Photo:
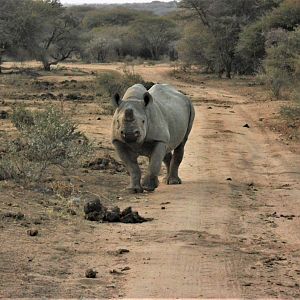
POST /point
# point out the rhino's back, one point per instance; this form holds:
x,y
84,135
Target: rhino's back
x,y
174,112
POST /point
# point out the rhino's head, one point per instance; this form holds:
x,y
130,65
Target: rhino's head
x,y
130,119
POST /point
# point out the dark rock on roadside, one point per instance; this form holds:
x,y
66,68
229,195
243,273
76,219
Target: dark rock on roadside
x,y
3,114
32,232
90,273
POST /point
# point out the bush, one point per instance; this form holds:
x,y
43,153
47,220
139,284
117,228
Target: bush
x,y
282,63
50,138
276,80
111,83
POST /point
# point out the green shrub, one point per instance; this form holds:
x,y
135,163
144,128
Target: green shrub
x,y
50,138
111,83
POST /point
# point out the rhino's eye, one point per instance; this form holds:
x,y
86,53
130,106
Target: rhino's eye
x,y
143,121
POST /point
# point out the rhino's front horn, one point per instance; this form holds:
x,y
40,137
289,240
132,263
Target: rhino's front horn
x,y
129,114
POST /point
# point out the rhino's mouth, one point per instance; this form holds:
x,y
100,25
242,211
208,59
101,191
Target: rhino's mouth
x,y
130,137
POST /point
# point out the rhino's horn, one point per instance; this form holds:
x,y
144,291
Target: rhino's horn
x,y
129,114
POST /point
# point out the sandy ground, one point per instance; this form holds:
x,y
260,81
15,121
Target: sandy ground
x,y
231,230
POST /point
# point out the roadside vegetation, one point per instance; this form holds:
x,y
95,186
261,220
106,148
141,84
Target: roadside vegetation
x,y
45,139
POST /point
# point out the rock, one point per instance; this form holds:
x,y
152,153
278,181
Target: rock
x,y
3,114
32,232
122,251
246,125
115,272
229,179
71,211
90,273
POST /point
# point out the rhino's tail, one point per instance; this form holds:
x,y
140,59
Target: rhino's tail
x,y
191,120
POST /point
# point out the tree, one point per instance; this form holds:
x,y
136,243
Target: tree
x,y
223,21
100,48
111,17
196,47
56,33
14,26
252,41
282,62
155,34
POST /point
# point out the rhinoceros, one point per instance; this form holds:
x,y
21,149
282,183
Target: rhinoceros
x,y
156,124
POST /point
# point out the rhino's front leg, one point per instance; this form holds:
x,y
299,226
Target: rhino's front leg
x,y
150,181
130,160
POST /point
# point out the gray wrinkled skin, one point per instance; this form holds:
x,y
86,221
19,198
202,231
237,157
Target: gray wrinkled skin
x,y
155,124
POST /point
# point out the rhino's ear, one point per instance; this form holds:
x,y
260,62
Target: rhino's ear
x,y
147,98
116,100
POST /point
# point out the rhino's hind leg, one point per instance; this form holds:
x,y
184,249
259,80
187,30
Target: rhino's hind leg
x,y
176,160
167,162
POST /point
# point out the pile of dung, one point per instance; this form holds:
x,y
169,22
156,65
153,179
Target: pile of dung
x,y
95,211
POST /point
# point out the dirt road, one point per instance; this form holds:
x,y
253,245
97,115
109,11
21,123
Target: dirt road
x,y
230,230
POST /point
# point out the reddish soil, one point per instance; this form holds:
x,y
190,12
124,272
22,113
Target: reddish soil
x,y
231,230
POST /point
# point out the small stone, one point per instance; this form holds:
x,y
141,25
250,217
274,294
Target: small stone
x,y
122,250
32,232
115,272
71,211
90,273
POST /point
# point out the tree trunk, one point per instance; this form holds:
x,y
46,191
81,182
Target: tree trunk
x,y
220,73
228,71
47,66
